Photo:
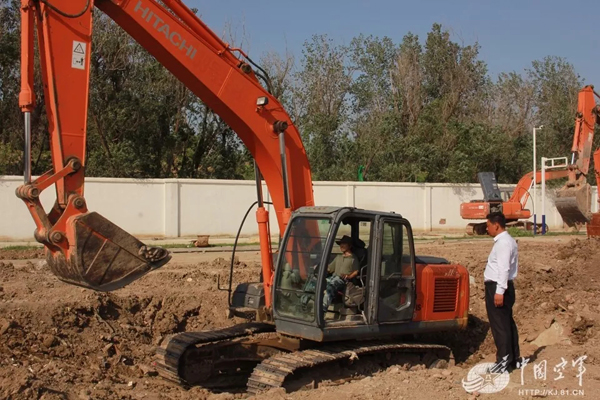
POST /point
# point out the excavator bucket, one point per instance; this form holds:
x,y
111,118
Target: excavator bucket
x,y
104,257
574,204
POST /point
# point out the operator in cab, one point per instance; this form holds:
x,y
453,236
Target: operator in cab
x,y
343,268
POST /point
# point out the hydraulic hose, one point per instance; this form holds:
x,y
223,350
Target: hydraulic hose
x,y
237,236
64,14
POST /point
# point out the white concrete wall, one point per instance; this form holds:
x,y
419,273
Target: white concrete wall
x,y
188,207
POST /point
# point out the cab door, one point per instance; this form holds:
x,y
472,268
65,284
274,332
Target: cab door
x,y
394,271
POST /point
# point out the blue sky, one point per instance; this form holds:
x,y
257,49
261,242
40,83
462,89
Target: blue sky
x,y
511,33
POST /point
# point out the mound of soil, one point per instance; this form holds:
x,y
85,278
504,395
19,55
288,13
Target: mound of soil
x,y
56,338
21,254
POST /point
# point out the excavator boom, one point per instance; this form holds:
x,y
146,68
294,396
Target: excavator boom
x,y
84,248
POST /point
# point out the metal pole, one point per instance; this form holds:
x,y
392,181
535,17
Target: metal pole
x,y
534,184
27,152
534,196
543,195
284,171
258,180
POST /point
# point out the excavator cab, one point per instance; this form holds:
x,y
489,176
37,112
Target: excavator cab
x,y
310,246
384,296
307,250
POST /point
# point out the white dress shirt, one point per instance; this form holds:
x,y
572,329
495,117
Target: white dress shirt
x,y
503,262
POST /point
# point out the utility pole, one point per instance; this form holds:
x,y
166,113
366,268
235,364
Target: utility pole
x,y
534,178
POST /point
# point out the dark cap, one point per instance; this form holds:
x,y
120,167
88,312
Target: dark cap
x,y
345,239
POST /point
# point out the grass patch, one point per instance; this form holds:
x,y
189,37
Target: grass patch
x,y
581,233
516,232
21,248
466,237
191,246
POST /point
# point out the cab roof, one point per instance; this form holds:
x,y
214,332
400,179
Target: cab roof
x,y
335,210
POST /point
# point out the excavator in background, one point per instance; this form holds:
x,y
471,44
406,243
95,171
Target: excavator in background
x,y
395,294
513,209
573,200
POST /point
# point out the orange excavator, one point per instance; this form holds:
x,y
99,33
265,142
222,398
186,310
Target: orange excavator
x,y
513,209
573,200
300,321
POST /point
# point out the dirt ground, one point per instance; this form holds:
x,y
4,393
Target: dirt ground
x,y
63,342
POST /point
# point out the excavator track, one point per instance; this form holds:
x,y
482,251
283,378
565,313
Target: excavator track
x,y
169,354
275,371
197,358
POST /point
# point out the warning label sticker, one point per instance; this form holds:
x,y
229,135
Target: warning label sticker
x,y
78,59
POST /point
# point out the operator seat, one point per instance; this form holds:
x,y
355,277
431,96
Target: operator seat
x,y
361,252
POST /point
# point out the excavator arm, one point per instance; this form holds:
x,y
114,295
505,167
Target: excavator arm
x,y
521,194
573,200
84,248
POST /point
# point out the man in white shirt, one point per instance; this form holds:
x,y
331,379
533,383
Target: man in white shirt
x,y
500,271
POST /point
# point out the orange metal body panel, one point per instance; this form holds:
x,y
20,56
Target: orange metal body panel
x,y
514,210
474,210
593,227
426,278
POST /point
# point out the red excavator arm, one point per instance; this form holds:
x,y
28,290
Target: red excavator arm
x,y
82,247
574,198
515,209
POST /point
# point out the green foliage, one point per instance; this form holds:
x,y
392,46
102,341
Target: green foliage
x,y
418,111
516,232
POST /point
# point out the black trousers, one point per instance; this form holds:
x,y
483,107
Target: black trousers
x,y
503,324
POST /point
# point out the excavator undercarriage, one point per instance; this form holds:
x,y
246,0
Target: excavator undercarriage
x,y
254,357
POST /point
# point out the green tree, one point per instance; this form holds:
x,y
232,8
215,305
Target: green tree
x,y
556,88
375,105
322,87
